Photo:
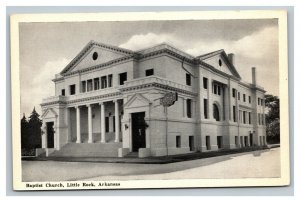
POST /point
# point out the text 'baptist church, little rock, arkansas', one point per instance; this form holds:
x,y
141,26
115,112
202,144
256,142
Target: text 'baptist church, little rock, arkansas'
x,y
110,102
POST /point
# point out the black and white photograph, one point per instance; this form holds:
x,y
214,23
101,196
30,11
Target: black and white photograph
x,y
150,100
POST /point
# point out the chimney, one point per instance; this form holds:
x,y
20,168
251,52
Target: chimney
x,y
254,76
231,58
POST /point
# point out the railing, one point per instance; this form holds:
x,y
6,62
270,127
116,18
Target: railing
x,y
155,79
54,99
93,93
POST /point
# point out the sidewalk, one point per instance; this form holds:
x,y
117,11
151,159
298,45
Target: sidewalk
x,y
151,160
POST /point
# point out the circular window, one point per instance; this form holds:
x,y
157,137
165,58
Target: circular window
x,y
220,62
95,56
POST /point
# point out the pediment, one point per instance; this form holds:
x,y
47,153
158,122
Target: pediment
x,y
94,54
49,113
137,100
220,61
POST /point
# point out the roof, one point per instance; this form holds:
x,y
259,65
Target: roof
x,y
211,54
88,47
157,49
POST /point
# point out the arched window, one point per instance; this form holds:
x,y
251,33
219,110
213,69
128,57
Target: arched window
x,y
216,112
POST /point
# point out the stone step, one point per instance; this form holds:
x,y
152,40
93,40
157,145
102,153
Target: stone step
x,y
88,150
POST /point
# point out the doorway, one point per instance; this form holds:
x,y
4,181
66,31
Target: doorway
x,y
138,131
50,135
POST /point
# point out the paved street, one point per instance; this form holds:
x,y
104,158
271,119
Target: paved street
x,y
247,165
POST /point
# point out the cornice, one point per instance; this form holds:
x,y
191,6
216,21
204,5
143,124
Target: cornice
x,y
157,85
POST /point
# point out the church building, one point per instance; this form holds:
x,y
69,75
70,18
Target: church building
x,y
108,103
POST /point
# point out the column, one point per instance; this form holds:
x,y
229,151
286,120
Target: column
x,y
102,106
78,124
44,135
90,124
117,122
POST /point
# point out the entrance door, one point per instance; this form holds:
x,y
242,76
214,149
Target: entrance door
x,y
138,131
50,135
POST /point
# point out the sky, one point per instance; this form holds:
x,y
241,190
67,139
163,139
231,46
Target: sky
x,y
46,48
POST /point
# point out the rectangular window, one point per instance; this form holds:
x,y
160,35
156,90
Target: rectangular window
x,y
219,90
149,72
239,96
240,116
89,85
258,115
205,108
103,82
188,79
258,101
236,140
96,84
215,89
244,117
246,141
205,81
83,86
207,141
110,80
244,97
107,124
249,117
233,92
191,143
249,99
63,92
114,124
234,113
178,141
262,102
219,141
189,108
122,78
72,89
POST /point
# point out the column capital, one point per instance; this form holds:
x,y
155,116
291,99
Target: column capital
x,y
101,103
88,105
116,100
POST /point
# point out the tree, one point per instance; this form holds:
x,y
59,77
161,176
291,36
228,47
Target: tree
x,y
272,118
24,132
34,130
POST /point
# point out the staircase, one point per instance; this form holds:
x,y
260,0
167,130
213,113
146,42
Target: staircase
x,y
109,149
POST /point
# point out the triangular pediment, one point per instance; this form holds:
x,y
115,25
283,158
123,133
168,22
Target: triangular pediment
x,y
94,54
220,61
137,100
49,113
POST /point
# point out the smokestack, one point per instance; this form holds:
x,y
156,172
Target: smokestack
x,y
254,76
231,58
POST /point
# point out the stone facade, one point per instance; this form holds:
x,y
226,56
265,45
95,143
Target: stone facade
x,y
111,96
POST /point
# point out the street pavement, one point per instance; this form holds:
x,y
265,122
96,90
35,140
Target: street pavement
x,y
257,164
